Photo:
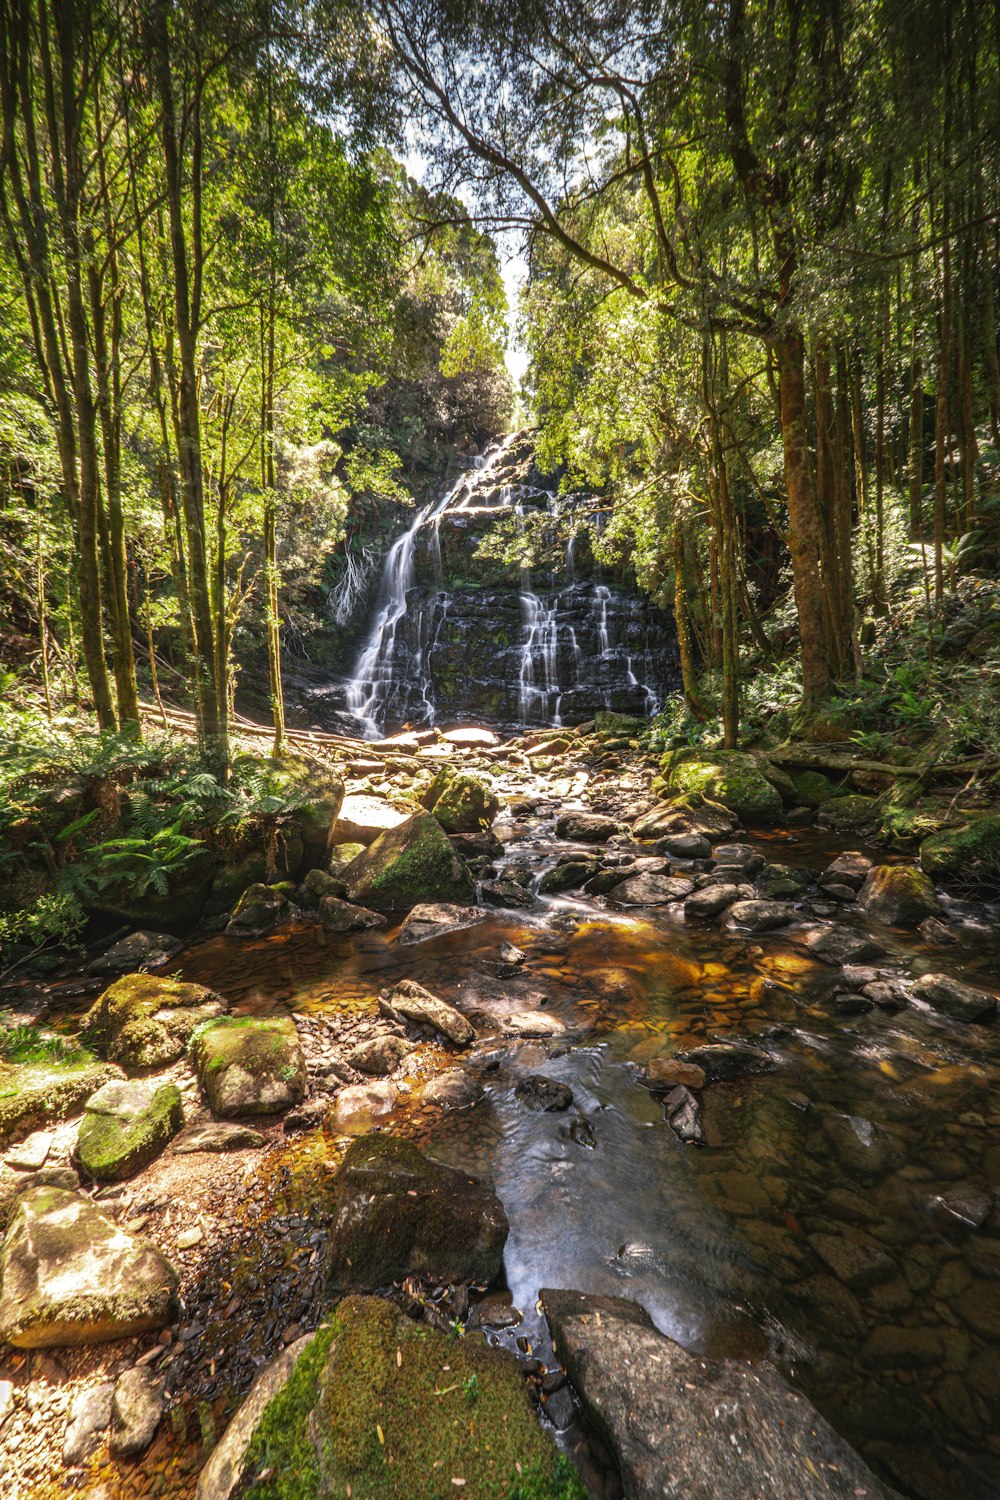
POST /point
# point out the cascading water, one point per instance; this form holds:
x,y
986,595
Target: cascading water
x,y
460,633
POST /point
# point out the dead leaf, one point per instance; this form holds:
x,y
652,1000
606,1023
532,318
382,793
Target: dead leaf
x,y
381,1434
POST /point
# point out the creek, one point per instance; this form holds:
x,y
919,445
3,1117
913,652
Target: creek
x,y
876,1131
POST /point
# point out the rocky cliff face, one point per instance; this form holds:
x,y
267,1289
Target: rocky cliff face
x,y
458,633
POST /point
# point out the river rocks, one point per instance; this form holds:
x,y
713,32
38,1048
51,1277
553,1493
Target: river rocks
x,y
35,1094
761,916
851,814
969,854
71,1276
434,919
543,1095
261,909
409,1001
812,788
776,882
408,864
567,875
735,780
740,860
89,1416
898,895
125,1126
651,890
357,1106
461,802
453,1088
216,1136
250,1065
586,828
685,846
858,1262
683,1114
380,1055
506,893
142,1021
221,1476
859,1146
952,998
665,1072
724,1062
693,1428
712,900
481,845
343,916
140,950
684,815
849,869
395,1213
364,819
136,1409
842,945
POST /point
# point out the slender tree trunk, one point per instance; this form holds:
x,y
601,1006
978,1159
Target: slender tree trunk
x,y
685,649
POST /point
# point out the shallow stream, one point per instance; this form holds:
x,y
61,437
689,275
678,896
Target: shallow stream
x,y
866,1124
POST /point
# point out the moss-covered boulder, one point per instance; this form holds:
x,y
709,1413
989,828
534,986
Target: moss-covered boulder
x,y
261,909
899,895
396,1213
250,1065
851,814
252,869
405,865
812,788
685,815
461,802
382,1408
44,1079
734,779
969,855
319,796
341,856
70,1275
143,1021
125,1126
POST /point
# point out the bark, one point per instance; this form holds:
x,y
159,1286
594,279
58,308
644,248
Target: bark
x,y
685,648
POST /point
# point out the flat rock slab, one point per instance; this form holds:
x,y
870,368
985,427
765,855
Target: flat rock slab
x,y
651,890
409,1001
723,1062
362,819
145,950
32,1153
136,1409
125,1126
397,1213
952,998
842,945
70,1275
437,919
34,1094
89,1415
685,1428
217,1136
250,1065
343,916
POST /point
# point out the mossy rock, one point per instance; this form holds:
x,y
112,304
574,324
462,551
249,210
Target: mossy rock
x,y
323,795
853,813
899,895
812,788
261,909
250,1065
626,725
461,802
48,1087
735,780
408,864
125,1126
341,856
144,1021
397,1213
70,1275
969,855
384,1408
252,869
182,903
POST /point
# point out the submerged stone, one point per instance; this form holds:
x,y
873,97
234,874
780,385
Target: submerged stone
x,y
723,1062
952,998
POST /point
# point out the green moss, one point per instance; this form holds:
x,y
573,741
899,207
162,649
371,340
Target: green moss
x,y
969,855
144,1020
242,1060
112,1148
462,803
850,814
812,788
734,780
407,864
33,1094
399,1411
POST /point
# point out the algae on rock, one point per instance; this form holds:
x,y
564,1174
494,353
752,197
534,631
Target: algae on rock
x,y
144,1021
461,802
736,780
250,1065
125,1126
408,864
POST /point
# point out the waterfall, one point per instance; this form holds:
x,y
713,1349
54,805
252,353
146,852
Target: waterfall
x,y
540,648
602,595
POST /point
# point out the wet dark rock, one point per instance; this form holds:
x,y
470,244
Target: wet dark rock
x,y
651,890
952,998
860,1146
887,994
683,1114
852,1003
842,945
581,1133
496,1311
711,901
483,844
140,950
395,1213
136,1409
261,909
507,893
965,1208
858,1264
567,875
843,895
685,846
586,828
724,1062
536,1092
693,1428
848,869
342,916
742,857
433,919
899,895
777,882
761,916
934,931
856,976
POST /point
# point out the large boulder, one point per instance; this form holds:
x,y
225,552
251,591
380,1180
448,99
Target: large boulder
x,y
853,813
48,1088
690,1428
377,1404
363,819
899,895
586,828
395,1213
732,778
142,1021
969,855
341,916
250,1065
952,998
261,909
317,796
686,815
70,1275
461,802
125,1126
408,864
409,1001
